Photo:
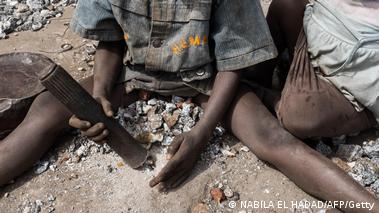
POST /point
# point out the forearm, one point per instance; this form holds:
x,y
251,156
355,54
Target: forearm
x,y
108,64
224,89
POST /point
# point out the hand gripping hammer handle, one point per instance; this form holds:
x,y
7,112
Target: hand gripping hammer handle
x,y
84,106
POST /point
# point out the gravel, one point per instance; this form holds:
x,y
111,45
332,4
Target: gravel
x,y
24,15
360,161
153,123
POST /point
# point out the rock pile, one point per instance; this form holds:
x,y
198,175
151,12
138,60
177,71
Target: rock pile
x,y
158,121
360,161
152,122
23,15
44,205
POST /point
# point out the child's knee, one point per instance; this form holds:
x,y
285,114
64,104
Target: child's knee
x,y
301,126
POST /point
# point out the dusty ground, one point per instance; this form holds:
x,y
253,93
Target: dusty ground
x,y
100,183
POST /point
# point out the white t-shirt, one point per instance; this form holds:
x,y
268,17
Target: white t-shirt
x,y
332,47
363,10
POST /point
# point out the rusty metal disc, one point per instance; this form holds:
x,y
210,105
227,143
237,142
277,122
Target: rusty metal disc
x,y
19,84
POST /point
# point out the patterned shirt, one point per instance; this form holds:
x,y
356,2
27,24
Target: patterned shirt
x,y
180,41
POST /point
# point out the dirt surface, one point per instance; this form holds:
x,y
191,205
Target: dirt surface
x,y
99,182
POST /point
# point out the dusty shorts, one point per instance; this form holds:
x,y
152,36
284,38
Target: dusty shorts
x,y
165,83
310,106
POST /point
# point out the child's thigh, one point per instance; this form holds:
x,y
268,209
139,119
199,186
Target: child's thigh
x,y
310,106
322,113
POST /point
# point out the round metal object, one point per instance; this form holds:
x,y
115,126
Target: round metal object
x,y
157,43
19,85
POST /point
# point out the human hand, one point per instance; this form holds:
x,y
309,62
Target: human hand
x,y
183,153
96,132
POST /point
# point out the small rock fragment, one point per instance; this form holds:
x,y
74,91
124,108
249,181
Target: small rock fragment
x,y
177,99
196,113
228,192
90,49
120,164
37,26
171,119
342,164
187,122
152,102
228,153
109,169
148,137
73,176
324,149
146,109
91,63
217,195
349,152
22,8
39,203
82,151
187,109
3,35
245,149
53,167
219,131
50,198
12,3
167,141
371,149
170,107
236,196
155,121
41,167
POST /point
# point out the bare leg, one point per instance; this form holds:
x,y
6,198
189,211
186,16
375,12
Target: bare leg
x,y
250,121
37,132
